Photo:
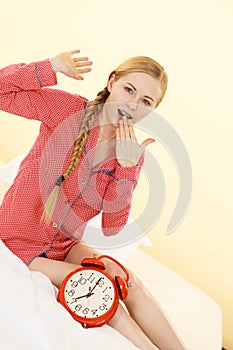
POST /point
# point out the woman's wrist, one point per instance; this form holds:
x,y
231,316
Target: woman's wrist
x,y
54,61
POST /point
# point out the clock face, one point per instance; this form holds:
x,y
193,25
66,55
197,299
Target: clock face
x,y
90,295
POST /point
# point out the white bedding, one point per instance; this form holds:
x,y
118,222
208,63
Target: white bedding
x,y
31,318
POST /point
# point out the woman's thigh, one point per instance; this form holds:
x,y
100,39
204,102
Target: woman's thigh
x,y
55,270
78,252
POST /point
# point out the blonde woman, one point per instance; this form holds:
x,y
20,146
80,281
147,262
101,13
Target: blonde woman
x,y
86,160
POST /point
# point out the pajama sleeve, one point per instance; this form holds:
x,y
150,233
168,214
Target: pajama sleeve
x,y
24,91
118,198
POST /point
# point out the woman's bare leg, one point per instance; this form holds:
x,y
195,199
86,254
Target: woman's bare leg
x,y
125,324
58,270
122,321
141,305
55,270
148,314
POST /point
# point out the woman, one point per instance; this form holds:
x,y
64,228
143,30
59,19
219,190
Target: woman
x,y
85,160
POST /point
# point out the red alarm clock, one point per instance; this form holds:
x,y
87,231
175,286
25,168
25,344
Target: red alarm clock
x,y
90,294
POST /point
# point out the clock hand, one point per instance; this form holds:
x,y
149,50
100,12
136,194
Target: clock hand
x,y
84,296
90,293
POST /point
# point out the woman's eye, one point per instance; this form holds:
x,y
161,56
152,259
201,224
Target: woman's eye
x,y
128,89
146,102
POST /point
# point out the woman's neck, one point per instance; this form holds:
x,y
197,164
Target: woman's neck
x,y
107,131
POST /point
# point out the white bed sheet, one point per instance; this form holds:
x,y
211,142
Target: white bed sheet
x,y
31,318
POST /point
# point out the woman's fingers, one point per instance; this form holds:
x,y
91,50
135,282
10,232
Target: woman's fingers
x,y
72,52
71,66
82,66
83,62
121,129
117,134
127,129
128,151
131,131
77,59
80,61
145,143
83,71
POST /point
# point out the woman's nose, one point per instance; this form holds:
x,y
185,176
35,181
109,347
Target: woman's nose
x,y
132,104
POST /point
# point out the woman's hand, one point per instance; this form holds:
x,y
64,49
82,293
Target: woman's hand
x,y
72,66
128,151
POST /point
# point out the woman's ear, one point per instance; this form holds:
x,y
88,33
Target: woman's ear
x,y
110,82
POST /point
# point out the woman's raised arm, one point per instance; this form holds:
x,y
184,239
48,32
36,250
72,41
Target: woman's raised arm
x,y
24,92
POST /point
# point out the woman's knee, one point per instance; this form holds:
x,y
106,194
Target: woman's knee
x,y
135,284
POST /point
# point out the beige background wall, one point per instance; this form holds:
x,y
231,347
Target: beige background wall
x,y
193,40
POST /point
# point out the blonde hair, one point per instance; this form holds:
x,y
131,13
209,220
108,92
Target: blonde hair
x,y
146,65
141,64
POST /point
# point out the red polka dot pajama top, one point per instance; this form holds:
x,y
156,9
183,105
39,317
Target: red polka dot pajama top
x,y
107,187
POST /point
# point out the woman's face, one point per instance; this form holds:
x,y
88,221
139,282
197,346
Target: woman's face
x,y
132,96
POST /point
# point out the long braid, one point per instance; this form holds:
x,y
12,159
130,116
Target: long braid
x,y
84,130
85,127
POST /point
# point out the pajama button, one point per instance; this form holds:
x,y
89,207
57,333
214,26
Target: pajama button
x,y
45,243
82,181
54,224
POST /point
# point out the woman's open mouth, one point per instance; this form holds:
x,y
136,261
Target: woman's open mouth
x,y
123,113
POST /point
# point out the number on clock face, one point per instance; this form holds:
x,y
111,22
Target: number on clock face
x,y
89,293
